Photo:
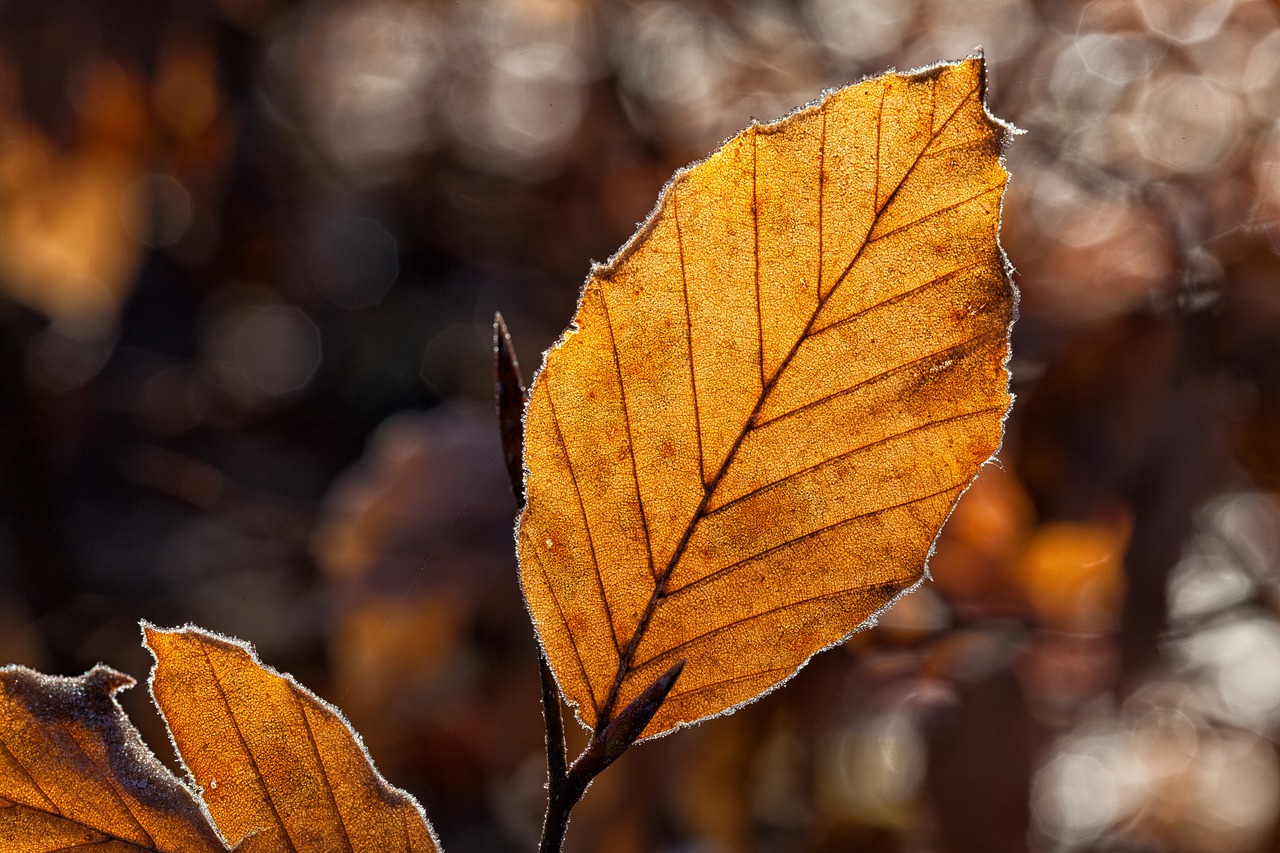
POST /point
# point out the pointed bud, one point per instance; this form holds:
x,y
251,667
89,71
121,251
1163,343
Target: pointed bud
x,y
509,392
630,723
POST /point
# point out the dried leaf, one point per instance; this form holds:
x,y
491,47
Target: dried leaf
x,y
274,763
74,772
771,398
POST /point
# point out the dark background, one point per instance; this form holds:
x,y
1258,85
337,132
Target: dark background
x,y
250,252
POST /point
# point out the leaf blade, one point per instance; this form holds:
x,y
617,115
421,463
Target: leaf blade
x,y
789,323
74,771
275,764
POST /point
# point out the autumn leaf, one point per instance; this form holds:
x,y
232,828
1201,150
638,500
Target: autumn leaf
x,y
770,399
278,769
74,772
273,762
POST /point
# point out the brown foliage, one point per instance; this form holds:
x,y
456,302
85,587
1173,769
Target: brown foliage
x,y
73,771
277,768
269,757
770,399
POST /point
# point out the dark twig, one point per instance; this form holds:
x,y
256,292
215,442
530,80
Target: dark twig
x,y
556,758
565,784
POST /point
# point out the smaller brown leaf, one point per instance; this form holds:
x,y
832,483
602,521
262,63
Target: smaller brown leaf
x,y
279,768
74,772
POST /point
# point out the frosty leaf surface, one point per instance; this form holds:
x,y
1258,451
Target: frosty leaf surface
x,y
771,398
279,769
75,774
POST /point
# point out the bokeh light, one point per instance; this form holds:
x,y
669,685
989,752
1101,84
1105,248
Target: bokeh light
x,y
1186,21
862,28
259,350
355,260
1187,123
371,71
168,206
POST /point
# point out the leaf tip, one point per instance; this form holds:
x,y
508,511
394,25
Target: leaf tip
x,y
154,637
103,679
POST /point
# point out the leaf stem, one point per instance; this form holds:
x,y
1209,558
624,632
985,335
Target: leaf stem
x,y
556,758
562,796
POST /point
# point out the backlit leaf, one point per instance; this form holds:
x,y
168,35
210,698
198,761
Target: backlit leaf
x,y
273,762
74,772
771,398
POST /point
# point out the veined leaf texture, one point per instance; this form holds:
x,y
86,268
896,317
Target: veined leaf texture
x,y
74,774
771,398
275,768
278,768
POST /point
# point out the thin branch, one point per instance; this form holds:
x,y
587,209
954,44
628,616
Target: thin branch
x,y
556,758
565,784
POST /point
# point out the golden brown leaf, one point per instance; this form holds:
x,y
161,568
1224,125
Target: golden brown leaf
x,y
771,398
73,771
274,763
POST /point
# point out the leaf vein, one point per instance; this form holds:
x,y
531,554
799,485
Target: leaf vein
x,y
822,189
244,745
631,442
719,573
899,297
755,251
875,193
573,641
324,771
35,783
877,377
854,452
980,142
105,840
961,203
790,605
694,691
582,510
106,836
688,323
113,785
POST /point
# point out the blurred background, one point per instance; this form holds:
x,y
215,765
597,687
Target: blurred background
x,y
250,252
